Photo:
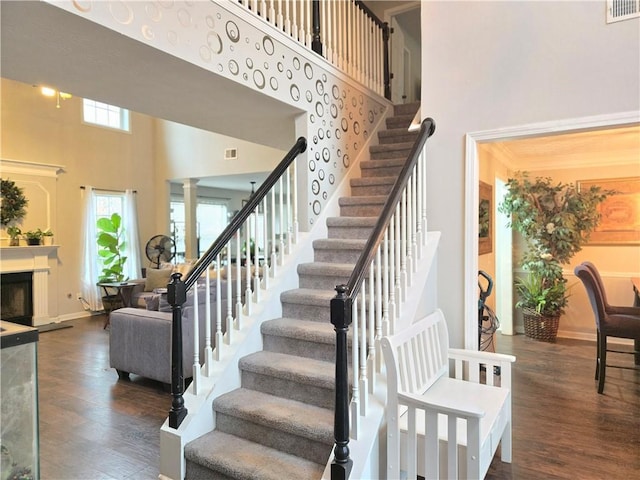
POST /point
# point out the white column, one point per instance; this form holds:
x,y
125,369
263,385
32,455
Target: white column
x,y
190,189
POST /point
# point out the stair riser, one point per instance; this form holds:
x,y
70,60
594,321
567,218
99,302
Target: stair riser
x,y
336,255
283,441
196,472
321,282
357,191
397,138
280,387
302,348
387,154
376,171
361,210
306,312
406,108
349,233
400,121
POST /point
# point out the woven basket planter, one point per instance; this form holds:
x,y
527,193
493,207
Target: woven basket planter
x,y
540,327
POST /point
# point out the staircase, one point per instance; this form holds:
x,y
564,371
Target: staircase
x,y
279,424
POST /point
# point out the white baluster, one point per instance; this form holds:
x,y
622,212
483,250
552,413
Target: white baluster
x,y
307,23
419,212
287,18
371,332
279,21
294,201
265,244
403,245
393,308
364,381
408,228
263,9
414,218
398,254
230,326
196,342
274,253
379,315
254,6
423,160
289,213
272,12
248,294
386,300
282,222
208,351
219,335
238,278
255,263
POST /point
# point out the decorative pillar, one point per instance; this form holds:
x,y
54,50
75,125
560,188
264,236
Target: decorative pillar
x,y
190,189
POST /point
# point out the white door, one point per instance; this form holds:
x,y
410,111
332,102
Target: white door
x,y
397,62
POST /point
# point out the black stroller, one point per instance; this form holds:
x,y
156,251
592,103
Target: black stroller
x,y
487,321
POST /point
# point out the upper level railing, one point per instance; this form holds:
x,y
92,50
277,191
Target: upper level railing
x,y
371,300
345,32
233,271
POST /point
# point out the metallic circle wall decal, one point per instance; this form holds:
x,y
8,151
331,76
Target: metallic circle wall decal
x,y
321,134
247,40
147,32
249,63
356,128
233,32
166,3
326,98
294,92
333,110
267,43
233,67
215,42
324,77
219,16
220,68
296,63
361,99
121,12
319,109
315,139
258,79
315,187
312,117
318,156
332,178
321,174
266,66
184,17
371,117
280,67
344,124
273,82
82,6
335,91
320,87
308,95
350,115
326,155
354,102
360,111
312,166
338,134
324,195
355,146
344,94
324,123
209,21
346,161
328,134
341,104
308,71
205,53
231,48
316,207
172,37
289,74
339,152
366,134
153,12
245,77
257,45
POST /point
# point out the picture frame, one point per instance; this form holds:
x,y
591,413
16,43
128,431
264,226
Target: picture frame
x,y
620,212
485,219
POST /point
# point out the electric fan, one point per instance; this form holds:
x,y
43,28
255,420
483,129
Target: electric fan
x,y
160,248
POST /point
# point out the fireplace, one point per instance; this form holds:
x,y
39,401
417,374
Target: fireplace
x,y
16,297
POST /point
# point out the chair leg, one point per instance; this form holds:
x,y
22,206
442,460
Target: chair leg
x,y
597,354
602,361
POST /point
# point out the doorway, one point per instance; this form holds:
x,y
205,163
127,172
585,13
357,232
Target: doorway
x,y
405,52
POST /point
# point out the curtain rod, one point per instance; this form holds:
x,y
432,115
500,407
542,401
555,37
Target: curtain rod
x,y
82,187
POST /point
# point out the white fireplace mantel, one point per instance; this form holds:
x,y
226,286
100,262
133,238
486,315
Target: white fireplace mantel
x,y
32,259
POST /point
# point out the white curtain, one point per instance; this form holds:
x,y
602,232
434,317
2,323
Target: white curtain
x,y
132,238
90,291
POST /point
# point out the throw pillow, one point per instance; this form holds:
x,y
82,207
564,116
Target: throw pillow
x,y
157,278
152,301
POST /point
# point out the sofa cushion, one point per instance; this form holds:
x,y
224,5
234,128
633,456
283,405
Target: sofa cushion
x,y
157,278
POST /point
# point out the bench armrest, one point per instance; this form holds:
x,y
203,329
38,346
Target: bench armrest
x,y
463,409
480,356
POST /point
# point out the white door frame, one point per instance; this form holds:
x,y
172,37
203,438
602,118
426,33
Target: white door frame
x,y
389,15
472,178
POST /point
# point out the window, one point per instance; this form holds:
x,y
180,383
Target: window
x,y
105,115
211,217
109,203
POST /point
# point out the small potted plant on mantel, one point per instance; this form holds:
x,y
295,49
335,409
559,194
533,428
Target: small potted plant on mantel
x,y
47,237
555,220
34,237
14,235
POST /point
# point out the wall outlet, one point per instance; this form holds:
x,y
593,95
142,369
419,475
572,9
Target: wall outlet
x,y
79,296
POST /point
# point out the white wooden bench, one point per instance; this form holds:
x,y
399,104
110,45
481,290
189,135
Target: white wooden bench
x,y
438,426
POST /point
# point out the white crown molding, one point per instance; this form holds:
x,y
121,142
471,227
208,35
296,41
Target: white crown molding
x,y
30,168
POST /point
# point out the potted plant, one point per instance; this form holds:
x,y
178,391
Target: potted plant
x,y
14,234
33,237
14,203
110,248
555,220
47,237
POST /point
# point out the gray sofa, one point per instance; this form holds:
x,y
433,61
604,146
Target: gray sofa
x,y
140,339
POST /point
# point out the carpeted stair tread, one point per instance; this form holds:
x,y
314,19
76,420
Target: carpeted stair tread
x,y
406,108
396,135
356,222
341,243
286,415
305,371
362,200
399,121
238,458
387,162
372,181
315,332
308,296
398,148
325,268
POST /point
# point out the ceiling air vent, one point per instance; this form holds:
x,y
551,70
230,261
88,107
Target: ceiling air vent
x,y
618,10
231,154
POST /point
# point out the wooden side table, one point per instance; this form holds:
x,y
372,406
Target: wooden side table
x,y
121,290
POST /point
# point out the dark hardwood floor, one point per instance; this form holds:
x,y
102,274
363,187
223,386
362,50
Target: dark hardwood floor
x,y
93,426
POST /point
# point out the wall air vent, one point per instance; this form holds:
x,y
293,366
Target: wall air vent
x,y
231,154
618,10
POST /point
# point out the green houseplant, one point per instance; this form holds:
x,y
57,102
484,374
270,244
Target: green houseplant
x,y
555,220
14,234
111,246
33,237
13,202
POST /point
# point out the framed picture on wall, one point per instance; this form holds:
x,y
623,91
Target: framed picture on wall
x,y
485,219
620,213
